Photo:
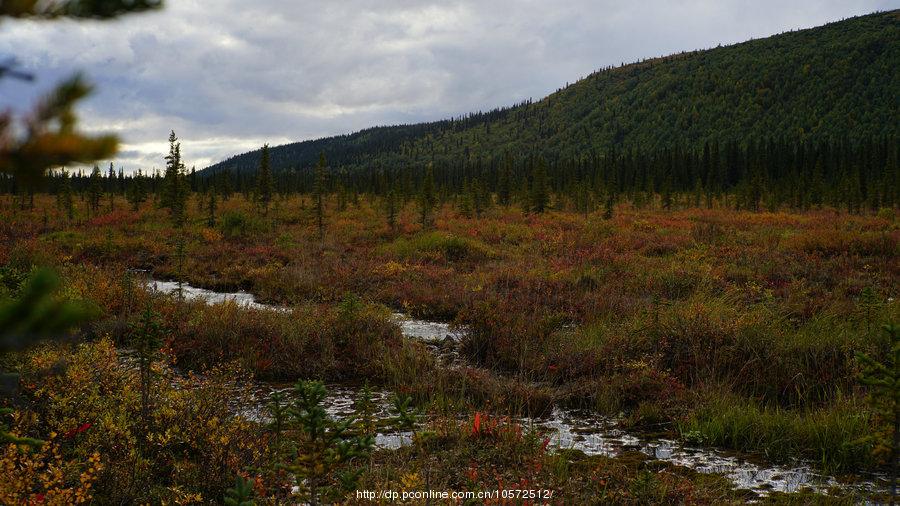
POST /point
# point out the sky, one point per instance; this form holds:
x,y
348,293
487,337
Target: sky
x,y
230,75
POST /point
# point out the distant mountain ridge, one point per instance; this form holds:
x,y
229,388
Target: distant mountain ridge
x,y
833,81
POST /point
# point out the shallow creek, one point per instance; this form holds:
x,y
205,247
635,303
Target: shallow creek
x,y
567,428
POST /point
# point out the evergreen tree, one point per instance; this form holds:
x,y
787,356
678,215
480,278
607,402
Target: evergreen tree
x,y
466,200
323,448
264,181
174,194
608,208
95,191
136,193
111,187
211,206
503,183
883,379
540,193
479,202
390,204
65,196
427,197
319,195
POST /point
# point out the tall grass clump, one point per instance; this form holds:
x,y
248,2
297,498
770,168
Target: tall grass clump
x,y
317,341
753,349
834,437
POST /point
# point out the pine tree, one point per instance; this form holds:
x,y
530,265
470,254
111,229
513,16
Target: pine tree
x,y
174,194
146,339
477,196
540,193
225,185
466,200
65,197
608,209
325,446
264,181
503,183
136,193
319,195
883,380
241,494
427,198
111,187
95,191
390,205
211,206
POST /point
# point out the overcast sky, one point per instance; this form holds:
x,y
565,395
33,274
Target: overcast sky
x,y
229,75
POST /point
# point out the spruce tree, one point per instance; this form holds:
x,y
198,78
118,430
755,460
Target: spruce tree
x,y
427,198
882,376
466,200
174,194
264,181
95,191
478,200
65,197
540,193
610,203
211,206
136,193
319,195
390,205
503,183
111,187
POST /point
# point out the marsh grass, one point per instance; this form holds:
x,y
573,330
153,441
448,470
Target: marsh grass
x,y
834,437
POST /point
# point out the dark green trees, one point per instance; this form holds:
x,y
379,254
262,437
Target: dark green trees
x,y
323,448
175,188
64,197
539,194
95,191
211,206
504,191
427,197
136,192
390,208
319,195
264,187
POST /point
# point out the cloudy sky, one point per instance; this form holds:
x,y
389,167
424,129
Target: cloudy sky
x,y
229,75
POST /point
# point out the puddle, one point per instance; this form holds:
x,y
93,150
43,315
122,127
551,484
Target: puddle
x,y
339,403
570,429
242,299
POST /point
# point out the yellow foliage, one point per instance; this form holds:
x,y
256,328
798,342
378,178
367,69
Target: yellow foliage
x,y
411,481
211,235
391,268
43,477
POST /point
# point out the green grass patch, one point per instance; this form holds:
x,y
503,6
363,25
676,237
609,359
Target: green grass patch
x,y
832,437
439,245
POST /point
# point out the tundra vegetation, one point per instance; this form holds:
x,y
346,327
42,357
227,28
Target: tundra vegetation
x,y
730,328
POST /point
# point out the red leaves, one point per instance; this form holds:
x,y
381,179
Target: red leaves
x,y
78,430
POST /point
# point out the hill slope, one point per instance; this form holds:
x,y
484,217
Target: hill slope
x,y
830,81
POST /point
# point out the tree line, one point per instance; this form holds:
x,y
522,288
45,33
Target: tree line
x,y
759,174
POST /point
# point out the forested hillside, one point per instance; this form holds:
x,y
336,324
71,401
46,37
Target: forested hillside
x,y
838,81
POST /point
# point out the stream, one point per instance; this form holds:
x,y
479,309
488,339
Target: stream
x,y
581,430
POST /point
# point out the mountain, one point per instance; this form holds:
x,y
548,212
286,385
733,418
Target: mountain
x,y
840,80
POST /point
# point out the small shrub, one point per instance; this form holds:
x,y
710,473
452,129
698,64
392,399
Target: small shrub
x,y
235,224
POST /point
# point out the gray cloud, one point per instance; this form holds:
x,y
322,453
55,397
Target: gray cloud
x,y
231,74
